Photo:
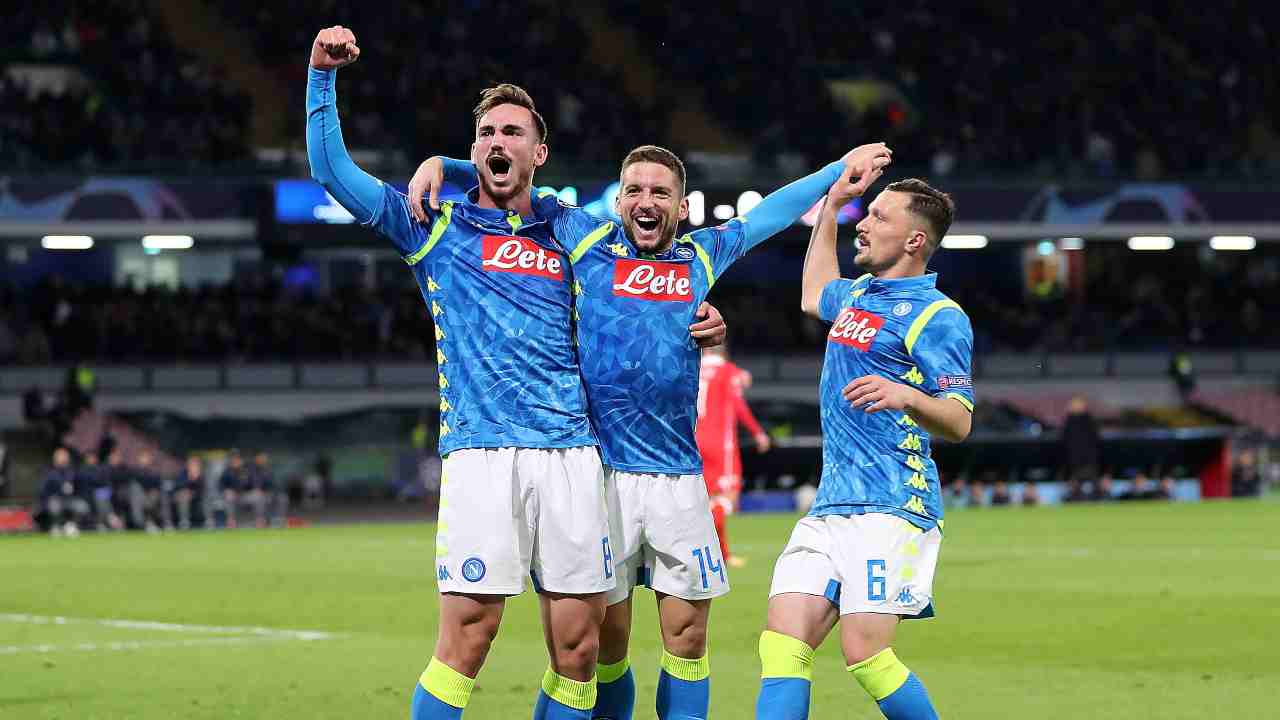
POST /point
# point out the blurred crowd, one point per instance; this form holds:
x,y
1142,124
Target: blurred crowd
x,y
422,66
1168,91
126,96
1068,87
133,494
1126,307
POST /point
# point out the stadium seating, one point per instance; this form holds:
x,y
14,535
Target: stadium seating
x,y
92,85
1258,408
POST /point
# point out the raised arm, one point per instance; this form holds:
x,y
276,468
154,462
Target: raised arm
x,y
821,263
331,165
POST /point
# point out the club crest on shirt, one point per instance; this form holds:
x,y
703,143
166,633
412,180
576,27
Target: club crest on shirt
x,y
684,253
902,308
856,328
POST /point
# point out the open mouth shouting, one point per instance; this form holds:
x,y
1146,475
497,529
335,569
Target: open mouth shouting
x,y
499,167
647,226
861,243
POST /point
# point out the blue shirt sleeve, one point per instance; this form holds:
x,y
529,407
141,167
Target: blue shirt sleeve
x,y
833,297
460,172
720,246
367,198
578,230
944,354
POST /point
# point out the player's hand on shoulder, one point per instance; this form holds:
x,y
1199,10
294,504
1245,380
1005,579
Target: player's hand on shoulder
x,y
333,48
873,393
710,331
426,180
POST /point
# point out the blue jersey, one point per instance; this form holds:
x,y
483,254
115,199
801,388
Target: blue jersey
x,y
638,360
498,289
633,314
905,330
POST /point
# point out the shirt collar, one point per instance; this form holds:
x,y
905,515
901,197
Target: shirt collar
x,y
926,281
540,208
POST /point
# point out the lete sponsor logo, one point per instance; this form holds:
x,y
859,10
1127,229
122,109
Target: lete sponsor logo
x,y
645,280
515,254
856,328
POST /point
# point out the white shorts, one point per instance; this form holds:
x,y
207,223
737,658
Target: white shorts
x,y
665,535
511,513
873,563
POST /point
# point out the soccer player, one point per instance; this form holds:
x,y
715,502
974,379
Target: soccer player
x,y
721,408
523,490
896,373
636,288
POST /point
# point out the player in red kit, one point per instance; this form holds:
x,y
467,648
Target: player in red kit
x,y
721,407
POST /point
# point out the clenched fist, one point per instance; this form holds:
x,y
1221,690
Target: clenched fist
x,y
334,47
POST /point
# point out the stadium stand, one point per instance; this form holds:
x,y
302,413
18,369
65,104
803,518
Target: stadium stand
x,y
88,85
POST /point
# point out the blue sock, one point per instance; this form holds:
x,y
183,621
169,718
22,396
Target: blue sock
x,y
684,688
786,672
441,693
897,690
563,698
615,692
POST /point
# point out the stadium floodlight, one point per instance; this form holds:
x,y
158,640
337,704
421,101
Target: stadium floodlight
x,y
697,208
1151,242
748,200
167,242
66,242
722,212
1071,243
964,242
1233,242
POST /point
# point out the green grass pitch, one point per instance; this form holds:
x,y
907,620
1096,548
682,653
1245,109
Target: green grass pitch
x,y
1117,611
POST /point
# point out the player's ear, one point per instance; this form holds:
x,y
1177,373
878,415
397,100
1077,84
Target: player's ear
x,y
684,209
917,242
540,154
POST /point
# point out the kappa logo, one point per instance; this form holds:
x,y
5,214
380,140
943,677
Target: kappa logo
x,y
515,254
856,328
619,249
473,569
946,382
906,597
651,280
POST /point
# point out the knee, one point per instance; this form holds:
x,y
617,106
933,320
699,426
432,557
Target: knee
x,y
687,639
578,652
477,634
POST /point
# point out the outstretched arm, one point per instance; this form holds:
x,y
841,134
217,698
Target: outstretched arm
x,y
331,165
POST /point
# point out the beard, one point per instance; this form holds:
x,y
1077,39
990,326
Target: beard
x,y
663,236
518,180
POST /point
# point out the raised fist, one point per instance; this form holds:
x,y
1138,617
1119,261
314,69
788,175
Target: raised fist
x,y
334,47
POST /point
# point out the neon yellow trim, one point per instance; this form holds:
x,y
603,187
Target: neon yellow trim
x,y
908,573
881,674
915,505
444,405
436,310
437,230
611,673
861,278
515,222
703,256
858,293
440,358
448,685
782,656
685,668
439,333
592,238
572,693
917,327
963,400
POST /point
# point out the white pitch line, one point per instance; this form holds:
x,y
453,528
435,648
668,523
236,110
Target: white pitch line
x,y
129,645
169,627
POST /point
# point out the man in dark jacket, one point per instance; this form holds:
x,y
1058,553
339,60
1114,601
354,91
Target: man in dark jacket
x,y
61,498
1080,444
